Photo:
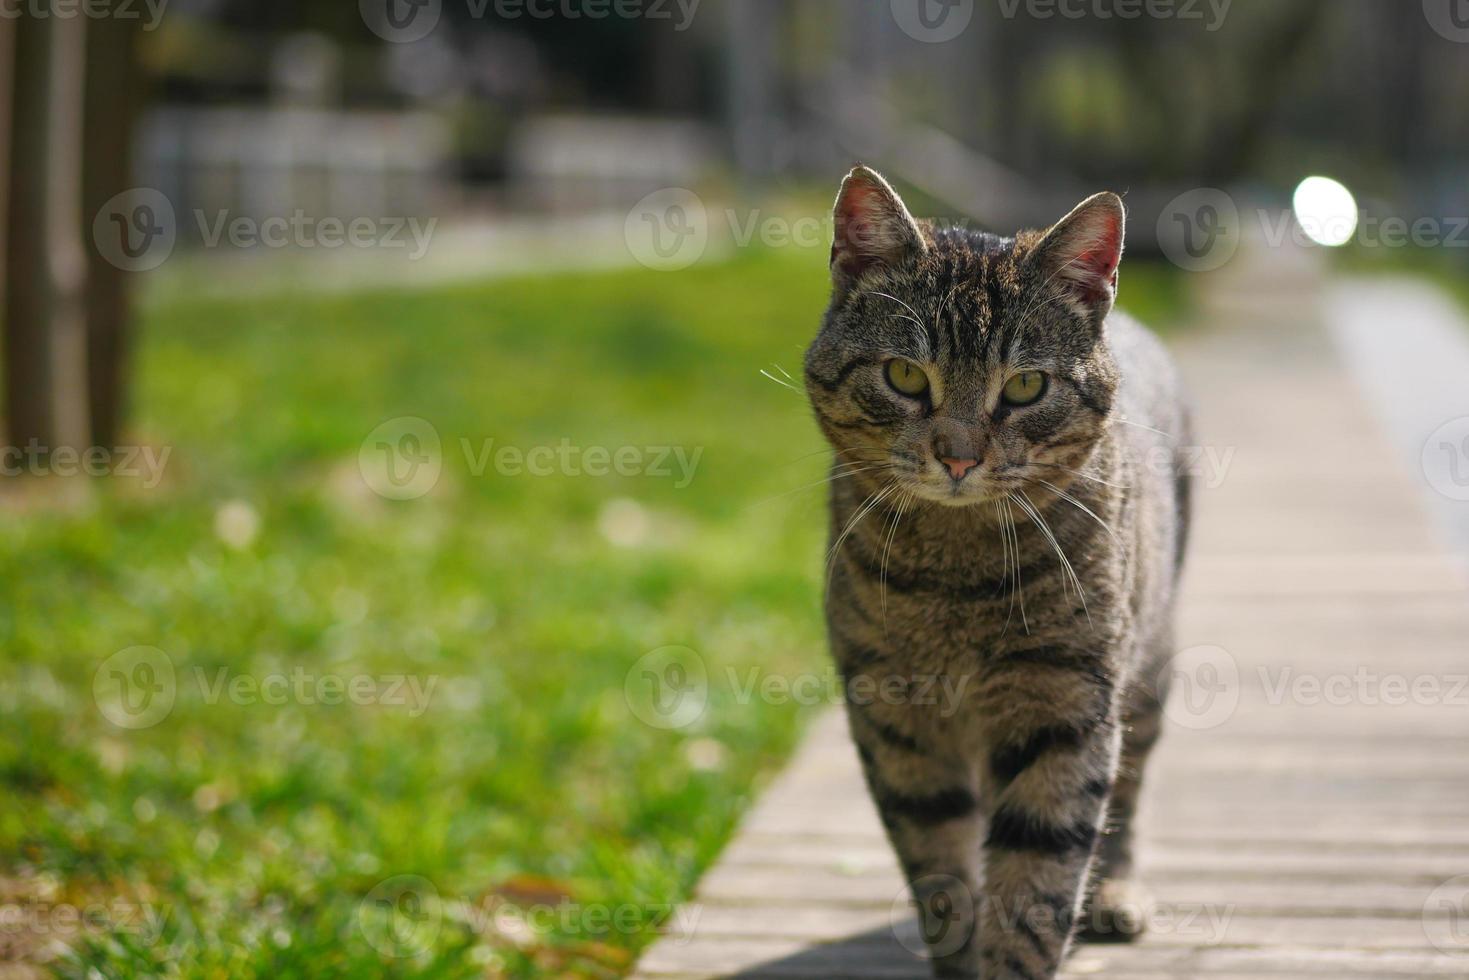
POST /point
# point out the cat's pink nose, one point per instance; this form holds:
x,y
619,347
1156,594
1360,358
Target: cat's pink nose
x,y
959,468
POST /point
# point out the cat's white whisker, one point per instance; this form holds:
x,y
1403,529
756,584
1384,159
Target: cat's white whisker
x,y
1145,428
1045,529
904,305
903,502
872,502
1084,476
1005,565
830,479
783,384
1015,550
1082,507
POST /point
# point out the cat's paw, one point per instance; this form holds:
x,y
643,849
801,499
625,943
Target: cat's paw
x,y
1118,912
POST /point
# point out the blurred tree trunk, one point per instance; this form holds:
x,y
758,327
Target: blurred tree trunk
x,y
45,304
7,91
113,98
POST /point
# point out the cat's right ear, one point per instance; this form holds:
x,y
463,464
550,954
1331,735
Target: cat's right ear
x,y
873,228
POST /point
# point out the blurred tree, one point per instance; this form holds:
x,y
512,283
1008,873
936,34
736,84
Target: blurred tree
x,y
7,84
113,99
45,302
1257,66
67,112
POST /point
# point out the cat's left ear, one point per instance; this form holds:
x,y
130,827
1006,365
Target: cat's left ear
x,y
873,228
1080,255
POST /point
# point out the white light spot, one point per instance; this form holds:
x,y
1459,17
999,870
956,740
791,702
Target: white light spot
x,y
1326,211
705,754
237,524
624,523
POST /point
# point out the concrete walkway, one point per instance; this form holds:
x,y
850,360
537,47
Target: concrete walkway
x,y
1408,347
1308,812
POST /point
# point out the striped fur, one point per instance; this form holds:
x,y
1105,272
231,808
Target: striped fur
x,y
997,800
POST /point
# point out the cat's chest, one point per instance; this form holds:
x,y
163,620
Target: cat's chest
x,y
958,614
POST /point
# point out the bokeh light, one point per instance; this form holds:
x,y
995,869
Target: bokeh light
x,y
1326,211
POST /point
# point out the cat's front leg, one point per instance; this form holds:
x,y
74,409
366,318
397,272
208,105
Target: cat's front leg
x,y
1054,742
928,804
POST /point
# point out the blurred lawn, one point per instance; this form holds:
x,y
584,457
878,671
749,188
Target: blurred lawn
x,y
257,830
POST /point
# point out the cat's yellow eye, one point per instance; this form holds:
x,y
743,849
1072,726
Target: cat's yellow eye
x,y
907,378
1026,388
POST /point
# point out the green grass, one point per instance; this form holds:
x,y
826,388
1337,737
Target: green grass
x,y
266,825
261,834
1157,294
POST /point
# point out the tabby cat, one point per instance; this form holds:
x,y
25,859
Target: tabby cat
x,y
1009,510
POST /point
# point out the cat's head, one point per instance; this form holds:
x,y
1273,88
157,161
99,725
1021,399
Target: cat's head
x,y
961,365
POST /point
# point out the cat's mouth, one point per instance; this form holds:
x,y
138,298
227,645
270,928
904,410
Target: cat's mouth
x,y
974,488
